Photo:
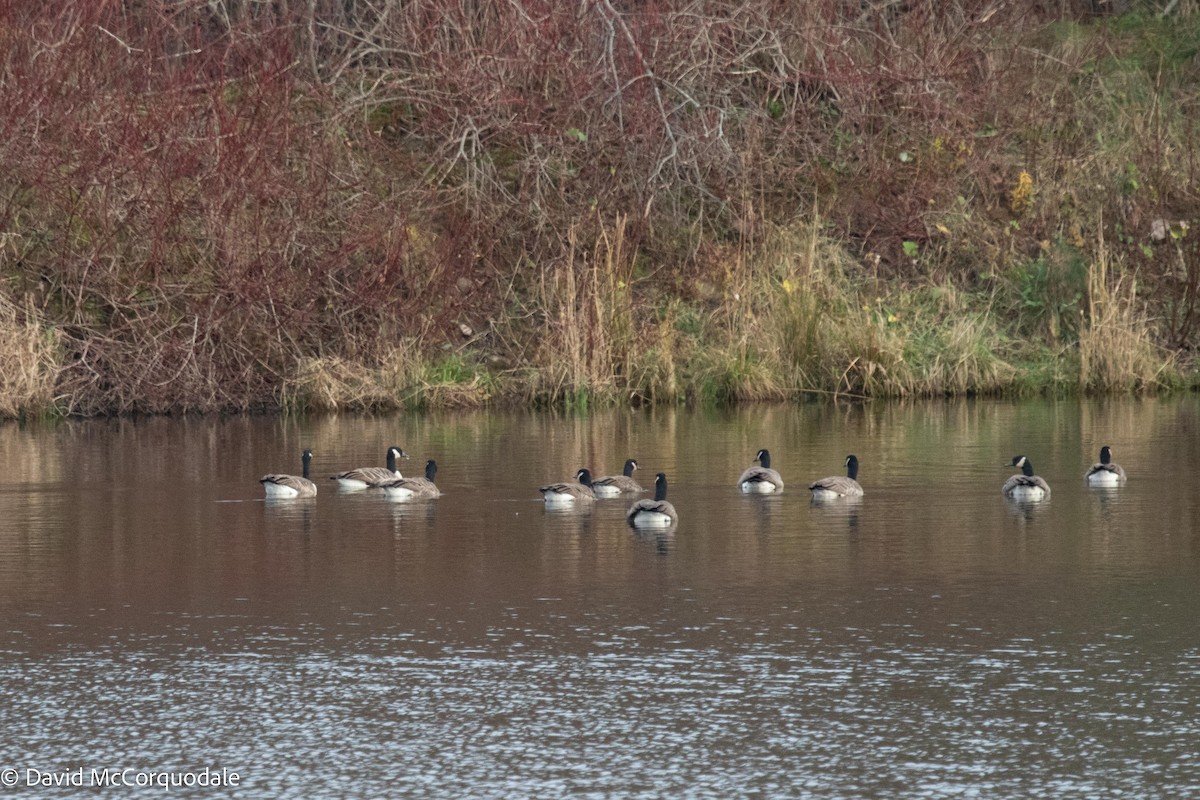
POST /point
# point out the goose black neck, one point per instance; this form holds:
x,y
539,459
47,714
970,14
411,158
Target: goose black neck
x,y
852,468
585,477
307,459
764,459
660,487
430,470
1027,469
391,460
1105,455
630,466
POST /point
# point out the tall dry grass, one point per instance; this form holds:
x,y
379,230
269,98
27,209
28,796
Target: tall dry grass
x,y
1117,350
803,317
573,336
401,377
30,361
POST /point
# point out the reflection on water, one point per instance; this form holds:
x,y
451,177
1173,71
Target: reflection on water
x,y
930,639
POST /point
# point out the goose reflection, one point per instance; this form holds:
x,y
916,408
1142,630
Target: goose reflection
x,y
661,539
568,511
1025,510
291,511
765,510
570,520
413,511
846,508
1106,497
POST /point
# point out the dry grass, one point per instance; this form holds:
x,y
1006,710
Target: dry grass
x,y
583,348
767,337
332,383
29,361
868,349
402,377
802,316
1117,353
654,369
968,363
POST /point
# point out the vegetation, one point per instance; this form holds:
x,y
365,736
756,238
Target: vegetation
x,y
218,205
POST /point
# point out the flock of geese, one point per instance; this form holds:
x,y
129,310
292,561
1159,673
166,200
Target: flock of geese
x,y
386,478
1026,485
759,478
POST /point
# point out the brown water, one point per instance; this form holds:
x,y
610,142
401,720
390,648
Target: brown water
x,y
932,641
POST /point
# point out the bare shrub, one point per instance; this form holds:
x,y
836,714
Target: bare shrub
x,y
212,199
188,216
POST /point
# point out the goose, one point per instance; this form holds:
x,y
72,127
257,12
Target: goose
x,y
566,494
363,477
1106,473
837,486
615,485
761,479
656,513
290,485
1025,486
412,488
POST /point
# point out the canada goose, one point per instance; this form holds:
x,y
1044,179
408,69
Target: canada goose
x,y
656,513
363,477
565,494
836,486
290,485
761,479
615,485
1025,486
412,488
1106,473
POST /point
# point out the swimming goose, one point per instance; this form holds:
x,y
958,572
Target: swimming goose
x,y
412,488
565,494
363,477
1025,486
1106,473
837,486
615,485
761,479
290,485
656,513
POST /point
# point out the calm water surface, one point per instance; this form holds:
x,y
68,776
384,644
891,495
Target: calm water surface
x,y
933,640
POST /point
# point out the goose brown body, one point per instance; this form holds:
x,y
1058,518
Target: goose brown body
x,y
839,485
1107,472
566,493
656,513
283,485
412,488
761,479
363,477
1025,485
615,485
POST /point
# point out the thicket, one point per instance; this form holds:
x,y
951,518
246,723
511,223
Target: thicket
x,y
218,204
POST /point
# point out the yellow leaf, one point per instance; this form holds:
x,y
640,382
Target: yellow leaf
x,y
942,229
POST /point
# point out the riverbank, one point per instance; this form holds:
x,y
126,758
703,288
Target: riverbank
x,y
577,206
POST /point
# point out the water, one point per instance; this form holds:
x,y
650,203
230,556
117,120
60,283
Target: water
x,y
932,641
